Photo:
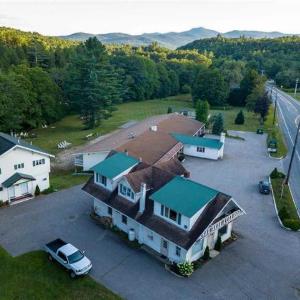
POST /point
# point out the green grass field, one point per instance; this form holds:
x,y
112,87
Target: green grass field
x,y
71,128
252,122
32,276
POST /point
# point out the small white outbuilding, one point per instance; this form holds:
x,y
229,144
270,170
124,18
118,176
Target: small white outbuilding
x,y
202,147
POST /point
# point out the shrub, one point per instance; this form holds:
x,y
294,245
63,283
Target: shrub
x,y
169,110
206,255
292,224
274,174
218,245
185,269
283,214
49,190
240,119
37,191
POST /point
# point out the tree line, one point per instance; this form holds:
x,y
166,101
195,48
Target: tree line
x,y
44,78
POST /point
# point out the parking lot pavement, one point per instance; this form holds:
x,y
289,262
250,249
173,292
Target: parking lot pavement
x,y
264,263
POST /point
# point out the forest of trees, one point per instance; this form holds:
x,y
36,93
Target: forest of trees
x,y
278,58
43,78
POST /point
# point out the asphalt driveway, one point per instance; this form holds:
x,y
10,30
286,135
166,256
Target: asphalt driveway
x,y
264,263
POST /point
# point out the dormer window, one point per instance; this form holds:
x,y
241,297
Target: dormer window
x,y
171,214
101,179
126,191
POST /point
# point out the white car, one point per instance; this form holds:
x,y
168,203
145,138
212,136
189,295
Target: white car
x,y
69,257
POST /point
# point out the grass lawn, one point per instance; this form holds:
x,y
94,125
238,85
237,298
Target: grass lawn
x,y
32,276
285,201
64,179
252,122
71,129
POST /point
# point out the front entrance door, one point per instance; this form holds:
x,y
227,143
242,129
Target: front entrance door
x,y
164,246
23,188
11,193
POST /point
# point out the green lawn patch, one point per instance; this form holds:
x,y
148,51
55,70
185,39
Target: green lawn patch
x,y
32,276
60,179
285,205
72,130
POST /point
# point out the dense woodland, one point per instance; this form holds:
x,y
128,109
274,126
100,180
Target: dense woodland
x,y
278,58
43,79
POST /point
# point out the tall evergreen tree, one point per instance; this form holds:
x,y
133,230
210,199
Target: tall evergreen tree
x,y
218,125
262,107
202,111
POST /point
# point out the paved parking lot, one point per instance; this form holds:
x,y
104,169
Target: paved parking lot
x,y
264,263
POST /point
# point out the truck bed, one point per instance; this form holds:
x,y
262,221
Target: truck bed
x,y
56,244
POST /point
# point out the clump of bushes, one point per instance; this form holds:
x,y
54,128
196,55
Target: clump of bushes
x,y
169,110
185,268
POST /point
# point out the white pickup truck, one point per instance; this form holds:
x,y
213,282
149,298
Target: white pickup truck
x,y
69,257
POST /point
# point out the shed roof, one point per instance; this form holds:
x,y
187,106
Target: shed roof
x,y
198,141
115,165
184,196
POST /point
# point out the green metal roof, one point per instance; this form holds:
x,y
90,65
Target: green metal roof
x,y
184,196
15,178
7,142
115,165
198,141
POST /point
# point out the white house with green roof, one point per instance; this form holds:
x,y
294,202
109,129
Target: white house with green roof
x,y
23,167
203,147
160,207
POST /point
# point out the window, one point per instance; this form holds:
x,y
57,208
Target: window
x,y
19,166
62,256
38,162
103,180
125,191
178,251
198,246
201,149
150,235
124,219
171,214
223,230
0,171
109,210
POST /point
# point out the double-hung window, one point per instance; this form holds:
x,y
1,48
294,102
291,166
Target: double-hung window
x,y
178,251
19,166
170,214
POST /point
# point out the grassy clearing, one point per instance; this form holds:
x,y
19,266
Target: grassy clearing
x,y
71,129
32,276
252,122
61,179
286,202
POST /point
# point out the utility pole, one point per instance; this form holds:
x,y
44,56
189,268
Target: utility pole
x,y
293,154
275,109
296,86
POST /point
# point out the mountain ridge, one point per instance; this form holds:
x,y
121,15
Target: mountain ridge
x,y
171,39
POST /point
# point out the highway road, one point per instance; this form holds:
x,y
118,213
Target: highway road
x,y
288,111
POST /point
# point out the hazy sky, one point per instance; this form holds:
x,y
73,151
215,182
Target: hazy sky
x,y
59,17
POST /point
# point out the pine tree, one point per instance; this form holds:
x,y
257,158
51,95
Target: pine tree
x,y
240,119
218,245
218,125
202,110
262,107
206,255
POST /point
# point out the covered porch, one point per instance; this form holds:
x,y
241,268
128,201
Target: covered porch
x,y
19,187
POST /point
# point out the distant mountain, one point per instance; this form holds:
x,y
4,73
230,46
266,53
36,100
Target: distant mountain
x,y
170,39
